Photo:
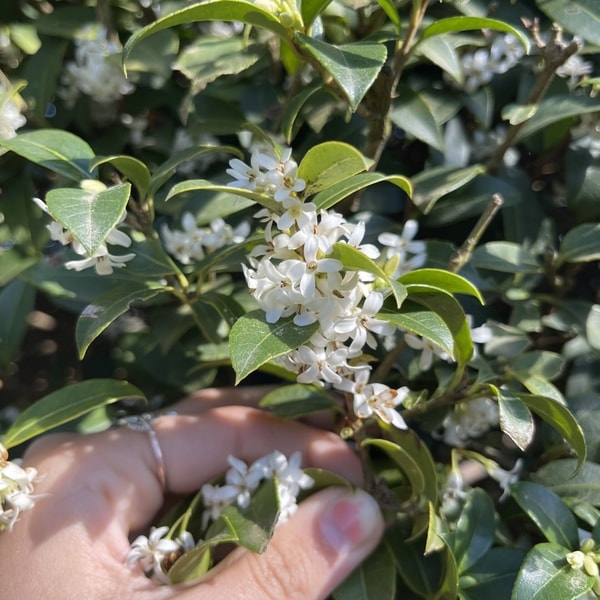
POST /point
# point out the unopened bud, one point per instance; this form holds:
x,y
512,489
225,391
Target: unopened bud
x,y
590,566
596,586
587,546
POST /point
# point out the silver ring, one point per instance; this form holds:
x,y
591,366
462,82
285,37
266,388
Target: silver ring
x,y
143,422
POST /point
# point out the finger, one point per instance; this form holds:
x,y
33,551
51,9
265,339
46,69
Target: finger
x,y
307,558
208,398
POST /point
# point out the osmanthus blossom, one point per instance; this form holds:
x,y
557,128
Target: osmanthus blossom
x,y
468,420
403,252
505,478
11,118
16,490
101,260
427,348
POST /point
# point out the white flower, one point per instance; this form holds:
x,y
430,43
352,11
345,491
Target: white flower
x,y
400,246
469,420
102,261
150,551
11,118
16,490
320,364
380,399
505,478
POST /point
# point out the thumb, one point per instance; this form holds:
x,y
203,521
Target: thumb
x,y
332,532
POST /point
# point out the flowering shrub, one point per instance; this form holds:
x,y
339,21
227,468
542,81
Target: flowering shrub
x,y
388,210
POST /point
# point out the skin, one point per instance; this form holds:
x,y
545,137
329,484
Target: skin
x,y
99,490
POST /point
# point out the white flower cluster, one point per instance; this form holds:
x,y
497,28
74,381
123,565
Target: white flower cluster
x,y
468,420
102,260
152,551
193,243
241,480
96,71
293,275
10,115
480,66
16,490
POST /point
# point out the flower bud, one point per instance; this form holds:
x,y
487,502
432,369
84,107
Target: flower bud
x,y
590,566
575,559
596,586
587,546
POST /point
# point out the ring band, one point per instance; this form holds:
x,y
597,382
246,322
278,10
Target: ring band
x,y
143,422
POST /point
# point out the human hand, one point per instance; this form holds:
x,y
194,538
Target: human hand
x,y
101,488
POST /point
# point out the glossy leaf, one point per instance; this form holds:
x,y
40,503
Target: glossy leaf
x,y
253,341
560,418
374,578
551,515
89,215
563,478
56,150
546,575
457,24
580,17
310,10
294,401
96,317
133,169
356,260
433,184
354,67
580,244
447,281
515,419
67,404
329,163
334,194
506,257
475,528
217,10
292,109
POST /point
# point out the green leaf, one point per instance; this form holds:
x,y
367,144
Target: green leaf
x,y
515,419
457,24
354,67
16,302
560,418
354,259
551,515
96,317
412,114
253,341
392,13
12,264
546,575
201,184
580,244
251,527
196,562
294,401
557,108
56,150
538,362
131,168
433,184
561,476
90,216
217,10
310,9
475,528
292,109
581,17
329,163
440,50
334,194
374,578
424,322
65,405
506,257
450,283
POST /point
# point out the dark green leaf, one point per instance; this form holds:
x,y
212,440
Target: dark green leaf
x,y
65,405
562,477
133,169
310,9
292,109
506,257
546,575
16,302
580,17
581,244
12,264
548,512
515,420
253,341
354,67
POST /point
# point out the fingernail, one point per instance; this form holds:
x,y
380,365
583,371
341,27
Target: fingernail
x,y
350,520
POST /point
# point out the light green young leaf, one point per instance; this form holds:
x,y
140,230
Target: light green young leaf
x,y
354,259
450,283
310,9
458,24
217,10
580,17
96,317
506,257
329,163
196,562
551,515
391,11
475,528
560,418
334,194
433,184
253,341
56,150
67,404
374,578
580,244
89,216
546,575
131,168
354,67
518,113
202,184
